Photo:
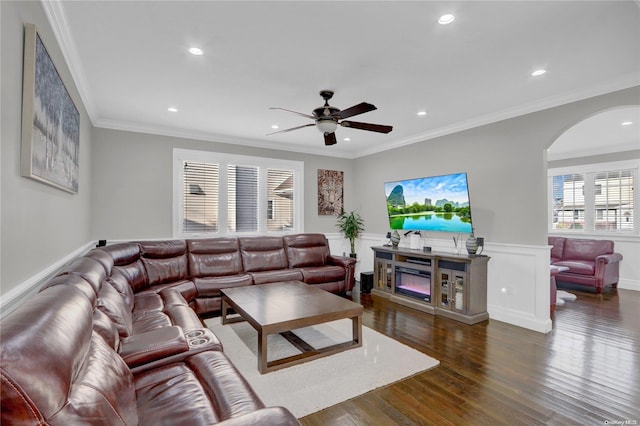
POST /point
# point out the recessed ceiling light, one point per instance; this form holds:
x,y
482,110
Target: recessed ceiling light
x,y
172,109
275,126
196,51
538,72
346,139
446,19
626,123
421,113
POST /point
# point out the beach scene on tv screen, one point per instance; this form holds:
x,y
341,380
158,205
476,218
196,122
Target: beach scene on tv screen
x,y
435,203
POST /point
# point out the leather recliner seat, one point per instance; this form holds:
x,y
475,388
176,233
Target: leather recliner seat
x,y
116,337
110,338
58,369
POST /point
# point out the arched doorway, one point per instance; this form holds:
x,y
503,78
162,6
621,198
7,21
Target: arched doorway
x,y
593,169
600,134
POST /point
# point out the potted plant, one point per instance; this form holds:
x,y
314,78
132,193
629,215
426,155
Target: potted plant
x,y
350,225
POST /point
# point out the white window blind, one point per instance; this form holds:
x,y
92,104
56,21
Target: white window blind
x,y
599,199
200,197
568,201
280,184
242,198
614,200
224,194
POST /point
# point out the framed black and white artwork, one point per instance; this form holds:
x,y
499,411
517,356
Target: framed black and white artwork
x,y
50,120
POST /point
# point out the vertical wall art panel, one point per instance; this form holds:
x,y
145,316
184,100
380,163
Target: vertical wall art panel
x,y
50,120
330,192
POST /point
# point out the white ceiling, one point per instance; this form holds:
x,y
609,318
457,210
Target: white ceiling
x,y
130,62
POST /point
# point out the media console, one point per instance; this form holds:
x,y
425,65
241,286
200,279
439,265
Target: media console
x,y
439,283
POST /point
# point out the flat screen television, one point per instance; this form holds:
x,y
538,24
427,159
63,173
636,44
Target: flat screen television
x,y
434,203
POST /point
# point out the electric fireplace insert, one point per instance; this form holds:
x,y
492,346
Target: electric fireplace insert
x,y
414,282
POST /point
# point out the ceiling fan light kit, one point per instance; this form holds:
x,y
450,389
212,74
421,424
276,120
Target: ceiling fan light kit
x,y
327,126
327,119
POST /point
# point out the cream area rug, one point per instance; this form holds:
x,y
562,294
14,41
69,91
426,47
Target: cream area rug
x,y
321,383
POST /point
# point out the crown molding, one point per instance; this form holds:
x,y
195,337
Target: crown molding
x,y
553,156
58,21
625,82
219,138
550,102
54,11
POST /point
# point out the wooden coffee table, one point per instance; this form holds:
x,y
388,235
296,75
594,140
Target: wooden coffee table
x,y
286,306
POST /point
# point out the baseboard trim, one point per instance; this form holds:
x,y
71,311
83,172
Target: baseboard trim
x,y
17,295
627,284
519,319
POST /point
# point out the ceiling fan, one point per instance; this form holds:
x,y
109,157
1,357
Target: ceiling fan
x,y
327,118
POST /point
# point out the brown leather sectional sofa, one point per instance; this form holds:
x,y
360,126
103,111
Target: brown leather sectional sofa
x,y
115,337
199,269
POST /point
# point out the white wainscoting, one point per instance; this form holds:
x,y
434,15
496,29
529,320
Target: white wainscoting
x,y
518,286
17,295
518,281
518,277
338,245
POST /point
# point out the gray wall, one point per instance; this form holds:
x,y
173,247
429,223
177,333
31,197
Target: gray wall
x,y
132,183
125,177
40,224
506,166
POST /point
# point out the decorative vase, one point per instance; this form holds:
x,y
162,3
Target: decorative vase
x,y
395,239
472,243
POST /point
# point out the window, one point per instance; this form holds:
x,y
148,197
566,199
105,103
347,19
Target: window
x,y
614,200
242,198
223,194
594,198
270,207
280,205
568,201
200,197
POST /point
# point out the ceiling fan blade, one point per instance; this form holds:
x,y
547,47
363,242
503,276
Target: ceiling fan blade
x,y
330,139
380,128
293,128
295,112
361,108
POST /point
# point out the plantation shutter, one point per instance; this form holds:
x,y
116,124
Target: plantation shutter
x,y
225,194
242,198
613,207
200,202
568,201
593,201
280,201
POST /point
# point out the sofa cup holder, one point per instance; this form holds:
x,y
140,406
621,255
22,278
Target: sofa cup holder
x,y
198,342
193,334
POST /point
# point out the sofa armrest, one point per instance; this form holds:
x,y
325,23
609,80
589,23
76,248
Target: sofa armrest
x,y
172,297
343,261
349,265
607,270
153,345
272,416
609,258
174,348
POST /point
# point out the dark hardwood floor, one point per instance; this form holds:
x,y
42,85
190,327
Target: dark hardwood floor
x,y
585,372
